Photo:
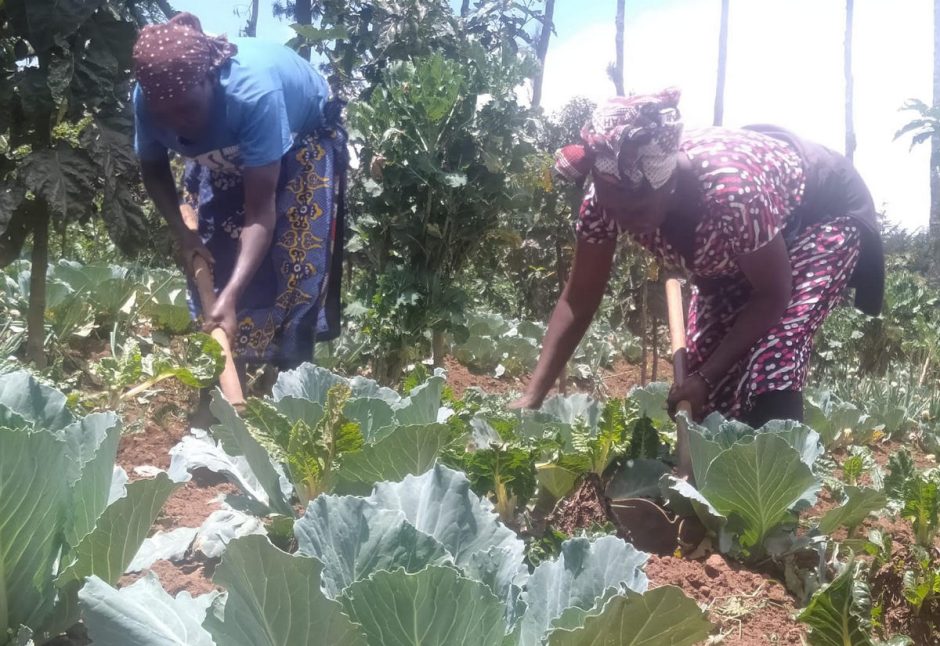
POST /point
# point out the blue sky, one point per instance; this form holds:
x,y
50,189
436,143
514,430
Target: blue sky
x,y
784,66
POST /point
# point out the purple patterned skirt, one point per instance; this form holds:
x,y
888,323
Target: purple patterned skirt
x,y
293,298
823,257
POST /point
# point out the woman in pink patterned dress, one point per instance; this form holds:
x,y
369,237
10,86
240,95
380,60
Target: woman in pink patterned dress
x,y
770,229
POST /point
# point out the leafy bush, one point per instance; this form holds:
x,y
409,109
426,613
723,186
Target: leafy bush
x,y
511,347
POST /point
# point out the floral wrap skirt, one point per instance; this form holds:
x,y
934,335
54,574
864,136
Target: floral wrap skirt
x,y
293,300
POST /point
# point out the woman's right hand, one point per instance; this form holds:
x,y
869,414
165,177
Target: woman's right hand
x,y
527,401
191,247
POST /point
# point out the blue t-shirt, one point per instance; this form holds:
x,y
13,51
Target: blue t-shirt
x,y
269,95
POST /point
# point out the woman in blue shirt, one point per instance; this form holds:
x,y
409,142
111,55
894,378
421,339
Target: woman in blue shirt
x,y
266,162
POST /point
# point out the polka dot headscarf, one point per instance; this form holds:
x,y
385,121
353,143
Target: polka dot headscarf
x,y
629,139
172,58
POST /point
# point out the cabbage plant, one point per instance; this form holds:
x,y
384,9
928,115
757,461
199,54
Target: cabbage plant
x,y
66,511
748,482
319,433
420,561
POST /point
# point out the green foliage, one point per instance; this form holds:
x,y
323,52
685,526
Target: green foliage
x,y
609,441
361,38
311,449
426,548
198,363
66,119
915,494
855,508
651,402
327,432
879,545
498,345
839,423
441,124
921,584
852,468
923,126
748,482
922,507
64,493
901,469
644,440
506,471
886,362
836,615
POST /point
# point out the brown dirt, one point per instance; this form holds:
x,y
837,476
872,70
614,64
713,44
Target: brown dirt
x,y
748,608
615,381
882,452
459,378
164,422
585,508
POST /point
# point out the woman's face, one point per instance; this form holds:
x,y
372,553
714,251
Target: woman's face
x,y
186,114
639,212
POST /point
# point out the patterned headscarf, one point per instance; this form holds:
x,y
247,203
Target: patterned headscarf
x,y
629,139
172,58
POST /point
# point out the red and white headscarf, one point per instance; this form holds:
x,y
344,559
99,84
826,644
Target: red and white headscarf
x,y
629,139
171,58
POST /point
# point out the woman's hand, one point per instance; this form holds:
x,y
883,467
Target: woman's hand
x,y
527,401
693,390
222,315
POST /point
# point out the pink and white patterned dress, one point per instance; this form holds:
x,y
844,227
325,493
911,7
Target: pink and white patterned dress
x,y
751,183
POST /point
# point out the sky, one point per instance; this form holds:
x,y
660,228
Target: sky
x,y
785,66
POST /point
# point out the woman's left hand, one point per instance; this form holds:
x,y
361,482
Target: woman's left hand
x,y
222,315
693,390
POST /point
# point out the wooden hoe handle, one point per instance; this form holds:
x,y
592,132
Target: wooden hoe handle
x,y
680,361
680,368
202,276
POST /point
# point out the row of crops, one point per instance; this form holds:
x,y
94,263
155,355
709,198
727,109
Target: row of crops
x,y
358,506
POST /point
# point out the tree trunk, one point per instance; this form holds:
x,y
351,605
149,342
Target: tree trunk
x,y
464,8
36,317
849,89
618,44
303,14
251,29
542,51
644,337
437,348
722,64
935,157
655,368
